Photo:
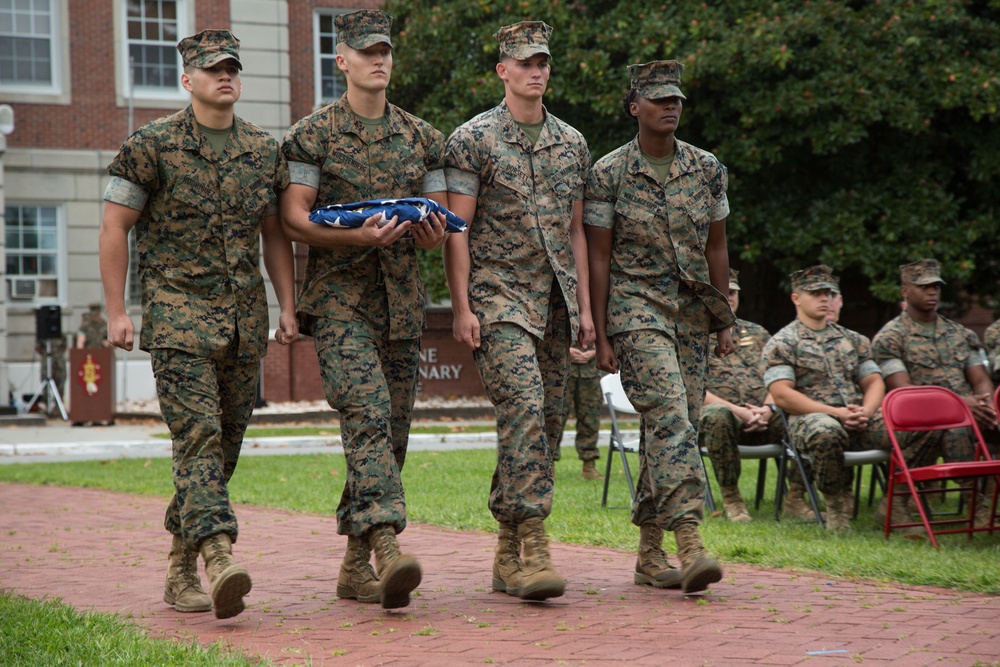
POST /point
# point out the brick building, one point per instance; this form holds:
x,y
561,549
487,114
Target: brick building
x,y
79,77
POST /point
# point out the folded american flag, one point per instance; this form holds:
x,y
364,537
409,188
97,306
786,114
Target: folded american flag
x,y
413,209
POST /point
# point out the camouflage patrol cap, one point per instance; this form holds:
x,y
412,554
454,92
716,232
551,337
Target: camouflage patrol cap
x,y
734,280
95,308
209,47
523,40
657,79
814,278
922,272
363,28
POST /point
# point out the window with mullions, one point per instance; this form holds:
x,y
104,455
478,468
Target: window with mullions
x,y
27,44
330,82
152,29
32,251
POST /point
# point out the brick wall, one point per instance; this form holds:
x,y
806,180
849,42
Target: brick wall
x,y
92,120
300,52
291,373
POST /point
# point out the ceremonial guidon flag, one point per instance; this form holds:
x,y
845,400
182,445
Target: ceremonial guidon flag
x,y
413,209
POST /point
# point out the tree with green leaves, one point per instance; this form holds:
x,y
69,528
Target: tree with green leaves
x,y
861,134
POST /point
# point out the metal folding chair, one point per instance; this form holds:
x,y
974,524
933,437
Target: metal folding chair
x,y
618,404
878,459
762,454
792,454
930,408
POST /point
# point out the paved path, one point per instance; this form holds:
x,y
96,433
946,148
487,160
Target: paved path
x,y
106,551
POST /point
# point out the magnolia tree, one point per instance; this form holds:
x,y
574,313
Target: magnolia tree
x,y
863,135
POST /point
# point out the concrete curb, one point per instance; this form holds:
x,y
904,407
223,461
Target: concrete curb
x,y
157,447
484,413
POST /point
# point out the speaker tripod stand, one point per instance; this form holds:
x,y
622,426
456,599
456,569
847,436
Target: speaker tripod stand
x,y
48,387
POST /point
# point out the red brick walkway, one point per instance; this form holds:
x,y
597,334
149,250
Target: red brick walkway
x,y
106,551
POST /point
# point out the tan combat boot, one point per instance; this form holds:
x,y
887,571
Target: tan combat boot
x,y
736,510
698,569
590,471
651,566
539,581
357,580
183,588
507,565
795,505
398,573
228,581
839,507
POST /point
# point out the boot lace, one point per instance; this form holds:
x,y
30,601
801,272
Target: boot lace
x,y
361,552
508,534
383,541
652,550
189,568
538,544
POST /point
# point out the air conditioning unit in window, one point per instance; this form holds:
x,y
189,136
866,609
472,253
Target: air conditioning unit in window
x,y
23,288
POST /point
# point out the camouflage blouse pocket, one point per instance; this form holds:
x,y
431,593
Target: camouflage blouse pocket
x,y
409,175
698,207
189,193
850,361
256,197
635,223
343,174
510,177
567,182
812,362
924,357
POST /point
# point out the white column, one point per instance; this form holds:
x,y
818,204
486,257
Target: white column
x,y
262,28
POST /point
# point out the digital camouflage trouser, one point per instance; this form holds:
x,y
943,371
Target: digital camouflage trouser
x,y
824,440
207,404
525,379
664,379
721,432
951,446
372,382
583,395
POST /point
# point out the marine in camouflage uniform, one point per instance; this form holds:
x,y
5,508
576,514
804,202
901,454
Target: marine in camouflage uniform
x,y
991,339
921,347
655,215
362,300
738,410
199,206
93,329
519,290
824,377
583,396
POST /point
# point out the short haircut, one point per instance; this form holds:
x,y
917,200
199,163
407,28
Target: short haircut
x,y
631,96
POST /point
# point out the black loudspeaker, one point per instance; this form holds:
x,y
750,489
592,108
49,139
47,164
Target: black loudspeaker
x,y
48,323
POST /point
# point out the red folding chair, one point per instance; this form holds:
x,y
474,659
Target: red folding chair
x,y
930,408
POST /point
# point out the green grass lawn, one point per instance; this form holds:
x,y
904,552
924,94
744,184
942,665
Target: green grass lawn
x,y
46,633
450,489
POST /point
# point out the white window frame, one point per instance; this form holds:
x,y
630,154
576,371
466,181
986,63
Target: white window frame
x,y
318,57
57,90
60,256
145,96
